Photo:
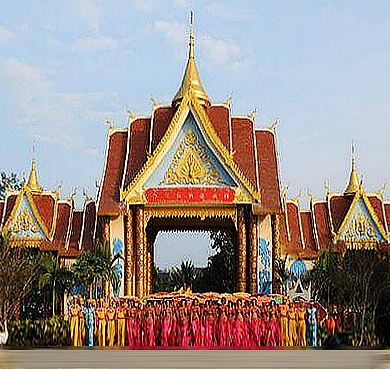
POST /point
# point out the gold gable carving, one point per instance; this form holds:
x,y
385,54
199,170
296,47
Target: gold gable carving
x,y
191,165
24,223
360,227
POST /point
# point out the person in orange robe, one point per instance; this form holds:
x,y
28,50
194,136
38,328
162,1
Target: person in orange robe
x,y
301,325
110,313
284,324
121,324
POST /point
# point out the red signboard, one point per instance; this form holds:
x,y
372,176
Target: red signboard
x,y
188,195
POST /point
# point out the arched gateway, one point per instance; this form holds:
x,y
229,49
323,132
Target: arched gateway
x,y
191,166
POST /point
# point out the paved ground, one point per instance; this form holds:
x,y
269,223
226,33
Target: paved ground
x,y
123,358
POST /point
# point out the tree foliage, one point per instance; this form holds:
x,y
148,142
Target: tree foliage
x,y
219,275
18,273
184,276
353,284
9,181
95,267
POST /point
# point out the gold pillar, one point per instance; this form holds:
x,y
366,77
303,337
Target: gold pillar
x,y
129,255
277,247
141,257
254,252
241,259
276,236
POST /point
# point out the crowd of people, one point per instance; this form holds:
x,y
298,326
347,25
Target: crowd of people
x,y
192,321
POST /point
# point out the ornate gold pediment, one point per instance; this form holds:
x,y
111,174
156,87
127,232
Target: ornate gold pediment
x,y
191,165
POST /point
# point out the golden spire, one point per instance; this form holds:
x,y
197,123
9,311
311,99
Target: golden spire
x,y
191,78
353,185
33,177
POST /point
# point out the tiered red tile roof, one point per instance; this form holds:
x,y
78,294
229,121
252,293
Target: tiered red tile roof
x,y
254,153
72,230
318,223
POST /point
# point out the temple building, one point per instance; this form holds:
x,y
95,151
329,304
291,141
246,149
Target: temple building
x,y
34,217
193,165
353,219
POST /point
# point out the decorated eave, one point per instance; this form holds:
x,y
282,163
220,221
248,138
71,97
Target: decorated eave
x,y
244,154
33,217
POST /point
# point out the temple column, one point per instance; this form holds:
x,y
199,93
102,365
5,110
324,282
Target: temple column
x,y
241,251
254,252
277,248
129,255
140,243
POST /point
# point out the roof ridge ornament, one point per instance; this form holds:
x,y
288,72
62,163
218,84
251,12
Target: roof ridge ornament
x,y
354,184
191,79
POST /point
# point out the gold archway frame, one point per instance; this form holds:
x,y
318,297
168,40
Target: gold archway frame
x,y
191,212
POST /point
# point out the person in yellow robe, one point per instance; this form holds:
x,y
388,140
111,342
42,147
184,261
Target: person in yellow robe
x,y
284,324
301,325
101,323
110,313
121,324
81,332
74,322
292,324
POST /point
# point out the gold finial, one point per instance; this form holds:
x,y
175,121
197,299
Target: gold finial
x,y
33,177
191,79
354,183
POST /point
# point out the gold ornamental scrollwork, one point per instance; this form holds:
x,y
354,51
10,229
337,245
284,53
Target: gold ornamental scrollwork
x,y
191,212
192,165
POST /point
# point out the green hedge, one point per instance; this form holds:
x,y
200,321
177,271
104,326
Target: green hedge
x,y
52,331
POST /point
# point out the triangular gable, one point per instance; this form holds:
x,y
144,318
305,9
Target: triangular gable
x,y
25,224
361,224
190,161
191,151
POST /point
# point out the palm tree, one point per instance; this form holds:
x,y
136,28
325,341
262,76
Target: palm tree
x,y
54,278
95,267
185,275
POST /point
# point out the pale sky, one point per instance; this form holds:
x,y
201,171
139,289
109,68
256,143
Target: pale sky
x,y
321,67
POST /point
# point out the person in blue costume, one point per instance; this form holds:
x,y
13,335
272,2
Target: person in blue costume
x,y
90,321
312,311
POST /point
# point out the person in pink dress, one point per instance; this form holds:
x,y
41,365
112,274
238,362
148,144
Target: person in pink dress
x,y
195,323
149,326
239,325
184,319
274,326
223,323
173,316
231,323
165,328
264,325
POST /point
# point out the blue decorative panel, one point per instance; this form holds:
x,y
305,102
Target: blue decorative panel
x,y
190,161
264,266
119,264
361,225
298,268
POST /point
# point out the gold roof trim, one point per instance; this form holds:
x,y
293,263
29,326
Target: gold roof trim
x,y
191,79
189,103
